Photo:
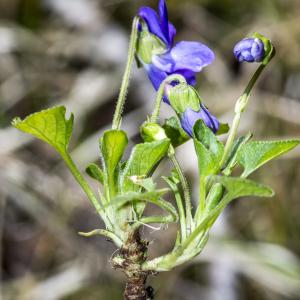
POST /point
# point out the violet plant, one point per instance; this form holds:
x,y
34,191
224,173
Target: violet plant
x,y
126,186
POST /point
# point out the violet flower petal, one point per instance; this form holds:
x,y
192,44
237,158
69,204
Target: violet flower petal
x,y
249,50
156,75
150,16
191,56
164,20
190,117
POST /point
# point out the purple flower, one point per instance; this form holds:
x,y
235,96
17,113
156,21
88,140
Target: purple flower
x,y
185,58
189,118
250,50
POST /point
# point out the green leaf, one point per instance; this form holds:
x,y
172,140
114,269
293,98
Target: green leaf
x,y
151,197
175,132
95,172
223,128
256,153
49,125
112,146
146,183
239,187
141,162
208,149
232,159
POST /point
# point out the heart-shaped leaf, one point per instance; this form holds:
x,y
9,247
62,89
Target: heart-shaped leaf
x,y
49,125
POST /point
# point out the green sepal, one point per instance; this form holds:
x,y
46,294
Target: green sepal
x,y
95,172
148,45
183,96
50,126
268,47
208,149
253,155
112,147
175,132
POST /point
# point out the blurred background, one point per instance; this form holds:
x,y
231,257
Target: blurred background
x,y
73,52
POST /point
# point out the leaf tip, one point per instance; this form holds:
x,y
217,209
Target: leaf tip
x,y
270,193
16,121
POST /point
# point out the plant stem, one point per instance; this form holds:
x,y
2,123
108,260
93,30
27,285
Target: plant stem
x,y
185,188
180,208
126,77
132,255
202,196
103,232
176,257
160,95
84,185
240,107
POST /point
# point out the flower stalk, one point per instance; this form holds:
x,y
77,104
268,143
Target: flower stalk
x,y
161,93
240,107
116,124
185,189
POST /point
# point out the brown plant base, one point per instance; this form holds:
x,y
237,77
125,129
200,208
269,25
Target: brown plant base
x,y
135,288
130,259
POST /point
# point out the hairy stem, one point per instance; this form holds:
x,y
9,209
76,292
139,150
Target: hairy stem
x,y
126,77
85,186
160,94
185,188
240,107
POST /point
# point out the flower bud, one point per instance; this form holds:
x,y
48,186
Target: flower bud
x,y
249,50
268,47
182,96
152,132
189,118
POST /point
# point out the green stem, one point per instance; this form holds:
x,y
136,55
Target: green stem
x,y
103,232
181,216
201,207
181,212
160,95
84,185
180,208
126,77
156,219
240,107
185,188
177,256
